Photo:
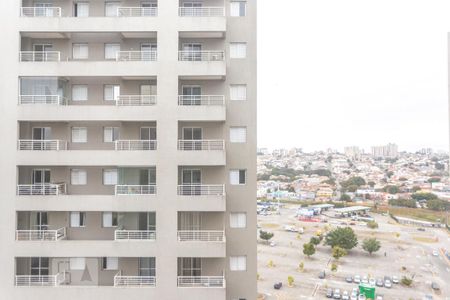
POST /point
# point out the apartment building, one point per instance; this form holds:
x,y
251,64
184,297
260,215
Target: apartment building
x,y
386,151
129,149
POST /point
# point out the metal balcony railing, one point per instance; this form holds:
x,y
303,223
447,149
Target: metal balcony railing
x,y
40,280
134,281
189,55
41,189
201,281
41,235
42,145
137,11
201,145
135,145
42,99
40,11
135,189
202,12
191,100
136,100
136,55
120,235
201,235
43,56
201,190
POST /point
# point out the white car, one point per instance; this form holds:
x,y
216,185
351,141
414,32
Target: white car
x,y
435,253
387,284
364,280
361,297
357,279
273,244
345,295
395,279
372,281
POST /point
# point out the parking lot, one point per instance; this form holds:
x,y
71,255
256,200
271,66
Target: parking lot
x,y
405,251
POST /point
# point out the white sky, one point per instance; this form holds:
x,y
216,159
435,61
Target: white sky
x,y
335,73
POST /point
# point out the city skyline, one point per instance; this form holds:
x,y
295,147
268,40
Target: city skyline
x,y
370,84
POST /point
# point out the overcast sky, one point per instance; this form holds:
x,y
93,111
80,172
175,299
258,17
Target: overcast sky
x,y
335,73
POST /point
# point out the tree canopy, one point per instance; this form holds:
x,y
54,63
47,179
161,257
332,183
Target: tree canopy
x,y
309,249
371,245
343,237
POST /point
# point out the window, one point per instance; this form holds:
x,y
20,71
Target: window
x,y
110,219
238,220
79,92
111,92
237,177
238,92
110,134
77,219
110,177
238,50
111,9
238,134
81,9
79,135
77,263
110,263
80,51
39,266
78,177
238,263
147,266
238,8
111,50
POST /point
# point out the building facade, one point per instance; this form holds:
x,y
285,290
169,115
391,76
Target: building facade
x,y
386,151
129,157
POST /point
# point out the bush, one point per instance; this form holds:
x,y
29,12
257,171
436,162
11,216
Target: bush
x,y
290,280
411,203
333,267
372,224
309,249
315,241
424,196
371,245
265,235
406,281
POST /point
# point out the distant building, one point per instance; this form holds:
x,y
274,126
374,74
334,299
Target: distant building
x,y
353,152
426,151
262,151
386,151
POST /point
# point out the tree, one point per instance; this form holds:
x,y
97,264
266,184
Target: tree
x,y
346,198
301,266
438,204
424,196
338,252
416,188
314,240
343,237
391,189
439,166
353,183
309,249
389,174
372,224
265,235
406,281
371,245
371,184
290,280
334,267
434,179
403,202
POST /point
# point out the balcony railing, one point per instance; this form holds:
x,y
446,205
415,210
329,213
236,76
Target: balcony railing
x,y
136,55
41,235
137,11
136,100
189,55
202,12
42,145
121,235
40,280
201,190
201,145
201,100
134,281
135,145
40,11
201,281
41,189
135,189
42,99
39,56
201,236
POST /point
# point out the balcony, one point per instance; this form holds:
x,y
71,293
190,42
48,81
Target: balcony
x,y
137,12
42,145
188,55
201,11
39,56
135,145
42,99
202,152
201,281
40,280
133,190
201,145
134,281
41,189
201,190
48,12
136,100
136,56
41,235
137,235
196,100
201,236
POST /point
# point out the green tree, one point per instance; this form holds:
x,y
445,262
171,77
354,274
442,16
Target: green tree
x,y
389,174
406,281
372,224
371,245
309,249
416,188
333,267
391,189
438,205
343,237
345,197
403,202
371,184
314,240
265,235
353,183
338,252
434,179
424,196
352,188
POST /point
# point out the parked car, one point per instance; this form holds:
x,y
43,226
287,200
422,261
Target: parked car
x,y
273,244
421,229
349,279
379,297
337,294
355,291
277,285
395,279
428,297
379,282
387,283
329,293
372,281
435,253
357,279
361,297
365,279
322,275
353,297
435,286
345,295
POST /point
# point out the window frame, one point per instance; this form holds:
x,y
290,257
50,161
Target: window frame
x,y
85,86
73,51
233,52
82,219
238,224
73,171
239,176
238,141
235,265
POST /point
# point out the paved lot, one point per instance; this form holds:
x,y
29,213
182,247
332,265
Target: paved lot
x,y
404,246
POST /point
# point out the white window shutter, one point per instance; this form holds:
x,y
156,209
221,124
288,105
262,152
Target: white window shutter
x,y
107,219
77,263
234,177
79,93
238,92
74,219
238,134
238,50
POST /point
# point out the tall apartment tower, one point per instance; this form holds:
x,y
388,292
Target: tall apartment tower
x,y
129,149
